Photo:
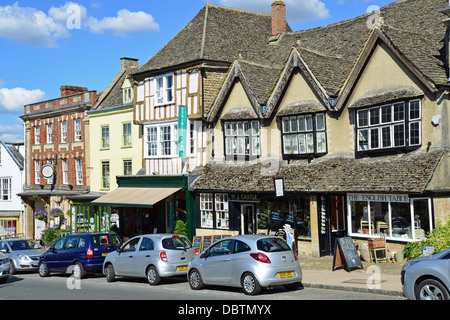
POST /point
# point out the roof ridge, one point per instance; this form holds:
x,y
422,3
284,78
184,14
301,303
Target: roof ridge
x,y
238,9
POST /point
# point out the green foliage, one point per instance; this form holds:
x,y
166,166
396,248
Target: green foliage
x,y
180,228
439,238
50,235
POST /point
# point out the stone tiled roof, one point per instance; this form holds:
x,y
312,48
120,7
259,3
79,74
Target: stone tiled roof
x,y
409,173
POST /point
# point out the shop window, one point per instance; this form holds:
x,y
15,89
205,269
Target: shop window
x,y
8,227
395,216
206,210
273,215
395,125
304,134
217,206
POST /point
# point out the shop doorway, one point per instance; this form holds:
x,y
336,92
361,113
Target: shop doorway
x,y
332,223
248,219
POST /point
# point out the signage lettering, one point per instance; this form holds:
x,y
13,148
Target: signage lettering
x,y
378,197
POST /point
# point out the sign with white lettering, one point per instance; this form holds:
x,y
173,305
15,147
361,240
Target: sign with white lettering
x,y
378,197
279,187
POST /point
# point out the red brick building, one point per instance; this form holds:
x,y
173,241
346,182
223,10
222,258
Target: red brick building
x,y
56,152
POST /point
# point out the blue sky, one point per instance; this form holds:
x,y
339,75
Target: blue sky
x,y
45,44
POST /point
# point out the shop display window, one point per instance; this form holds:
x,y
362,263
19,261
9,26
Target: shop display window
x,y
273,215
395,216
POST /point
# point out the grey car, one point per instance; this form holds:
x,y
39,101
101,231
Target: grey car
x,y
251,262
4,267
24,254
428,277
153,256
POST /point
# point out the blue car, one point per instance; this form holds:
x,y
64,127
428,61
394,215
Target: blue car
x,y
78,254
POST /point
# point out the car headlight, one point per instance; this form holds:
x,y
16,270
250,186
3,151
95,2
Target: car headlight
x,y
23,257
409,264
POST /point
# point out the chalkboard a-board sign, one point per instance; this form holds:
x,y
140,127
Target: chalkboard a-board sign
x,y
207,241
197,243
346,255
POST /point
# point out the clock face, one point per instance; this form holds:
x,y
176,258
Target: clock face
x,y
47,171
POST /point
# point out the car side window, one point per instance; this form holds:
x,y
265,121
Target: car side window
x,y
72,242
146,244
3,246
240,246
131,245
59,244
221,248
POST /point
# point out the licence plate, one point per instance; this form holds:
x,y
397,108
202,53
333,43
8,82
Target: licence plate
x,y
182,268
285,274
105,254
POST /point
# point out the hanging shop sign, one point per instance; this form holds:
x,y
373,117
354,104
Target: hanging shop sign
x,y
182,131
279,187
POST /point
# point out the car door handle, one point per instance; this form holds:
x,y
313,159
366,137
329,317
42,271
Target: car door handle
x,y
130,256
147,256
226,260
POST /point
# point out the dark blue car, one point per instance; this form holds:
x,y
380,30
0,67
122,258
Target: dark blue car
x,y
78,254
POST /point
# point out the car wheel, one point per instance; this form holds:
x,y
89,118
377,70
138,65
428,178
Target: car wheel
x,y
195,280
153,277
78,271
43,269
12,268
250,285
109,273
431,289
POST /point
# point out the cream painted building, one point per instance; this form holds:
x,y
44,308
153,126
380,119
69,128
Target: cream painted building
x,y
337,131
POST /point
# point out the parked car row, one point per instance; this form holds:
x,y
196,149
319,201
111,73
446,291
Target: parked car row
x,y
251,262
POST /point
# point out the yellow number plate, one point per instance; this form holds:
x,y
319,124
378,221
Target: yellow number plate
x,y
285,274
182,268
105,254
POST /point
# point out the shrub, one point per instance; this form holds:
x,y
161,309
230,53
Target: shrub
x,y
439,238
50,235
180,228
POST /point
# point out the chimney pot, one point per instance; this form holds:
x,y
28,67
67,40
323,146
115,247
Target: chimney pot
x,y
278,18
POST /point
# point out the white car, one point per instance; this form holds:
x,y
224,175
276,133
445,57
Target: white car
x,y
153,256
251,262
4,268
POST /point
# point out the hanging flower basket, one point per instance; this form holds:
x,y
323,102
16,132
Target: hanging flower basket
x,y
57,212
40,215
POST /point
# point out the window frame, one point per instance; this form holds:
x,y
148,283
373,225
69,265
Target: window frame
x,y
162,89
8,194
393,130
240,136
105,182
105,138
165,141
306,125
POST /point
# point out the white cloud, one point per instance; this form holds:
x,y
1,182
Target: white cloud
x,y
297,12
13,100
33,26
125,22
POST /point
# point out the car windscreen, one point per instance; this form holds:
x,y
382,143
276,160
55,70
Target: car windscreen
x,y
176,243
105,240
272,245
23,245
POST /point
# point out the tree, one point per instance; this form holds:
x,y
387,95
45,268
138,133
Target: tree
x,y
180,228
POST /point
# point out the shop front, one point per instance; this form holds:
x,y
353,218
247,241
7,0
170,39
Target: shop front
x,y
148,204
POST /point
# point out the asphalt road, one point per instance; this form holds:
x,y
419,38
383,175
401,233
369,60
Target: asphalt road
x,y
29,286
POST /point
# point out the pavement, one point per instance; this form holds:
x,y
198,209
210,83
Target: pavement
x,y
381,278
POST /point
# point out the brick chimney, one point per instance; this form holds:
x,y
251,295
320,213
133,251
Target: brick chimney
x,y
278,18
69,90
128,62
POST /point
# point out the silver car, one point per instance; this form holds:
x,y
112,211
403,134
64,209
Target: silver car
x,y
24,254
248,261
428,277
153,256
4,267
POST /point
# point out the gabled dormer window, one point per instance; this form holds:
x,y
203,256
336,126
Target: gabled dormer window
x,y
389,126
304,134
242,139
127,91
